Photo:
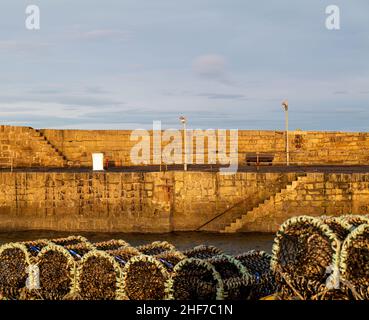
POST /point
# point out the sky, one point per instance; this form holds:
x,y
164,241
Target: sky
x,y
222,63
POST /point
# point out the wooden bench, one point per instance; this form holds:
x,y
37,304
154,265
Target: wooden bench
x,y
259,158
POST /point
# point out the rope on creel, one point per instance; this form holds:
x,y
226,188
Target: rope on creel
x,y
123,254
340,227
203,252
71,240
236,278
99,277
15,261
155,248
355,220
262,278
56,273
34,247
304,251
144,278
111,244
170,259
354,262
195,279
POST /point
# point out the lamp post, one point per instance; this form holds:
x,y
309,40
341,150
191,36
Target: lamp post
x,y
184,121
285,107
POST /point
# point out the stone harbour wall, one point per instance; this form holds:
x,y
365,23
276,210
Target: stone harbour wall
x,y
28,147
313,195
306,147
173,201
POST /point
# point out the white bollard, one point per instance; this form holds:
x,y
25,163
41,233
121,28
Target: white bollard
x,y
98,162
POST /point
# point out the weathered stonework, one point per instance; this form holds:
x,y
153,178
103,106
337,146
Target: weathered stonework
x,y
306,147
85,201
27,147
314,195
171,201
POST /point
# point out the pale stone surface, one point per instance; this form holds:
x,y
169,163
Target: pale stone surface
x,y
161,202
170,201
307,197
48,147
306,147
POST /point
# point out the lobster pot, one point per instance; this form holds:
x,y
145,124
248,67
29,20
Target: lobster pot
x,y
234,275
354,264
71,240
123,255
144,278
56,273
203,252
228,267
262,280
99,277
195,279
35,247
304,249
14,264
340,227
156,247
170,259
111,245
79,250
355,220
237,288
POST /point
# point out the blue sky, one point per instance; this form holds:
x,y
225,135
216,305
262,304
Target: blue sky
x,y
223,63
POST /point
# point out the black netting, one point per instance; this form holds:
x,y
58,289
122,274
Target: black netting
x,y
339,227
355,220
98,277
144,278
304,250
56,274
14,261
355,262
170,259
155,248
123,255
203,252
196,279
35,247
262,278
71,240
111,244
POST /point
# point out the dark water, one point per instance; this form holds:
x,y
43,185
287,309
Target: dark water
x,y
230,243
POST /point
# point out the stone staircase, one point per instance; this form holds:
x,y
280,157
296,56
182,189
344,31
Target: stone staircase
x,y
58,159
24,147
264,207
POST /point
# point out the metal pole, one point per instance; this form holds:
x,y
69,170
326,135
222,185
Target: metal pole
x,y
287,143
185,146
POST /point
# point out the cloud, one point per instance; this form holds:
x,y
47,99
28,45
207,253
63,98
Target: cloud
x,y
65,100
223,96
211,66
341,92
18,109
145,118
46,91
103,34
96,90
21,46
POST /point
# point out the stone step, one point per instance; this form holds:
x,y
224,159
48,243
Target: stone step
x,y
237,224
40,138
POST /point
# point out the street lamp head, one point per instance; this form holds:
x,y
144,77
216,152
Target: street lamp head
x,y
285,105
183,119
